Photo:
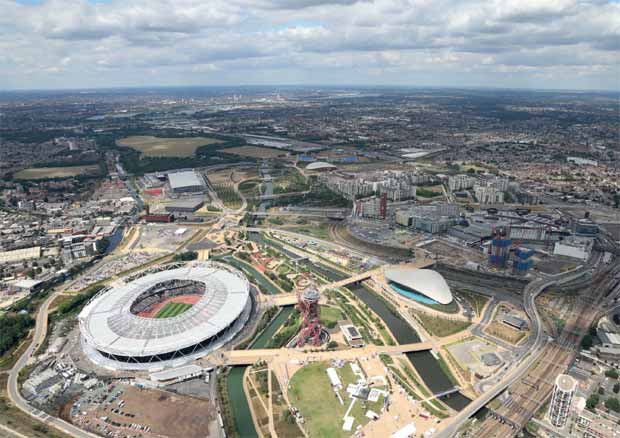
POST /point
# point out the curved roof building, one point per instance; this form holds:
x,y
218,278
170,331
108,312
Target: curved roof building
x,y
320,165
423,285
125,327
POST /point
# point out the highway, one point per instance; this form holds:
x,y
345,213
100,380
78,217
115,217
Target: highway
x,y
532,290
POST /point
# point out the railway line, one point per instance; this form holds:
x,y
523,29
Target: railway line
x,y
531,391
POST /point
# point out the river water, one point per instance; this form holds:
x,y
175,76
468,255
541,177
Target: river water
x,y
239,404
423,361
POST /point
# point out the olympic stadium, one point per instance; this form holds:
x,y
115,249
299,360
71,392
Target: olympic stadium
x,y
165,318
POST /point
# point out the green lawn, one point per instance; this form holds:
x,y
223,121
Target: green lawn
x,y
172,309
318,230
312,394
440,326
330,316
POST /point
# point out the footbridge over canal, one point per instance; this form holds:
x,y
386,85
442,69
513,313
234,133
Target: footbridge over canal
x,y
249,357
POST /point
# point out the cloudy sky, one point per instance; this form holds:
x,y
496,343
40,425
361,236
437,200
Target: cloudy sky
x,y
570,44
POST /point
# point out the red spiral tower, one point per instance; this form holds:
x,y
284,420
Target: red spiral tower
x,y
308,305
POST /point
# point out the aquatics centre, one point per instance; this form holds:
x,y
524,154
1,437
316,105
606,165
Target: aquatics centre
x,y
422,285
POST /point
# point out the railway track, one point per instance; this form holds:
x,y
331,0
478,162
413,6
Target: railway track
x,y
529,393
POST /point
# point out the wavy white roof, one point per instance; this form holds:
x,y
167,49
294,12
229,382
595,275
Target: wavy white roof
x,y
425,281
320,165
108,325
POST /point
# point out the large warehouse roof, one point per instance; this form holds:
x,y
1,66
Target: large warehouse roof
x,y
108,324
187,178
425,281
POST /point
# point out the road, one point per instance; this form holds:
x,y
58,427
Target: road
x,y
38,337
532,290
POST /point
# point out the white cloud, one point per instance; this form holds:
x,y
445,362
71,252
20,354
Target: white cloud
x,y
290,41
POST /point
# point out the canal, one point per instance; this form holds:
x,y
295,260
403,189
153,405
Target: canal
x,y
423,361
115,239
272,328
240,408
239,404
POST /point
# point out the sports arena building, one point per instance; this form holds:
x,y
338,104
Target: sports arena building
x,y
129,327
422,285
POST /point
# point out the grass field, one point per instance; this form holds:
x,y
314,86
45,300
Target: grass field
x,y
440,326
477,301
330,316
166,147
56,172
254,152
502,331
171,310
312,394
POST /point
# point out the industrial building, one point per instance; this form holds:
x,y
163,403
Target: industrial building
x,y
18,255
422,285
186,181
116,334
575,247
586,228
185,205
561,399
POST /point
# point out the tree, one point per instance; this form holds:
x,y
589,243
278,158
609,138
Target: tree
x,y
592,401
616,388
587,342
601,390
613,404
612,374
332,344
185,256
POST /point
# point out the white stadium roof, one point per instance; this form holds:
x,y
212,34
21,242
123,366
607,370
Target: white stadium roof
x,y
320,165
108,325
425,281
187,178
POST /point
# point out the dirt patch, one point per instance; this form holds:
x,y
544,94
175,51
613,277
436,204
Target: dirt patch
x,y
166,414
56,172
166,147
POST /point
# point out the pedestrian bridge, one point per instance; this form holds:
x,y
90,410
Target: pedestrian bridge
x,y
249,357
404,348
